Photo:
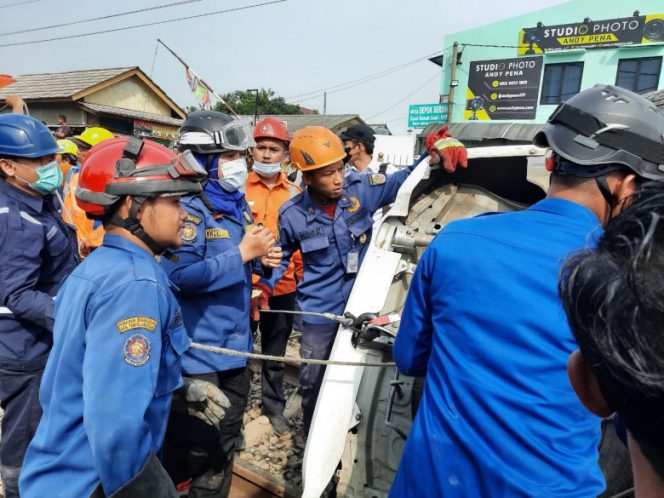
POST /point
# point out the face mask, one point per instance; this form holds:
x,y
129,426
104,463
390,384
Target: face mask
x,y
234,175
49,178
348,156
267,170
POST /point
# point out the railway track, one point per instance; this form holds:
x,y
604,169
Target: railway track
x,y
250,482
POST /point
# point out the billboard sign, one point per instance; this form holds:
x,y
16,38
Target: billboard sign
x,y
422,115
503,89
611,33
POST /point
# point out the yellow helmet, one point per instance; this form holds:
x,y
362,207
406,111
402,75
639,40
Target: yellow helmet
x,y
314,147
68,147
93,136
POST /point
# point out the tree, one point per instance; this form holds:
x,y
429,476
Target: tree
x,y
245,103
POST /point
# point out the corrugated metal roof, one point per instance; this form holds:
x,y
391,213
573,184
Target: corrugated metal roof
x,y
59,85
657,97
477,132
129,113
297,121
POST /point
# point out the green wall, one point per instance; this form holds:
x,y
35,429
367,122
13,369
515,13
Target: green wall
x,y
600,65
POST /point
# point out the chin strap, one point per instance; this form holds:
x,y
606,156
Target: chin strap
x,y
131,223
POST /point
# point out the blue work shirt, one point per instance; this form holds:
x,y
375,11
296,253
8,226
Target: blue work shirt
x,y
106,391
214,286
37,251
483,321
332,249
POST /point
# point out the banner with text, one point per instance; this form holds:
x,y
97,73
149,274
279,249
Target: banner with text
x,y
503,89
610,33
422,115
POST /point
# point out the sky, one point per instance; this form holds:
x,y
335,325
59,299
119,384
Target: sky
x,y
294,47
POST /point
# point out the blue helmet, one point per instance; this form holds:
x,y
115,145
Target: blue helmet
x,y
24,136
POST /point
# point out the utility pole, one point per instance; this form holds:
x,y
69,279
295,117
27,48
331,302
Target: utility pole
x,y
453,83
324,103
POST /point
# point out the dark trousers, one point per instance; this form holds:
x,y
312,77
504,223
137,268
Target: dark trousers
x,y
19,399
275,330
197,451
317,342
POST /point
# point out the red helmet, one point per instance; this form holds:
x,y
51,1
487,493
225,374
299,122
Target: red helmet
x,y
137,168
272,128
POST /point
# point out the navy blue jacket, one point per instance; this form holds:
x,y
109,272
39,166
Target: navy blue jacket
x,y
331,246
37,251
214,286
483,321
106,391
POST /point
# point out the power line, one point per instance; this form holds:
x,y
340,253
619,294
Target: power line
x,y
405,98
32,42
18,3
110,16
352,83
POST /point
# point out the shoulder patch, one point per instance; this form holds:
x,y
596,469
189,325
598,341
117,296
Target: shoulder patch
x,y
354,204
189,232
377,179
137,322
137,350
193,219
216,233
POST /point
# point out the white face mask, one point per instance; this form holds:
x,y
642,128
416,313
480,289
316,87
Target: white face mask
x,y
234,174
267,170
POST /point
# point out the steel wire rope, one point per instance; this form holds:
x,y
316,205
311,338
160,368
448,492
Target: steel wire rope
x,y
126,28
18,3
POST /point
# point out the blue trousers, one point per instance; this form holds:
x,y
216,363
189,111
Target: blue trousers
x,y
19,399
317,342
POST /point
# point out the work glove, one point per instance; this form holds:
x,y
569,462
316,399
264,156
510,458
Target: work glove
x,y
201,399
446,150
260,295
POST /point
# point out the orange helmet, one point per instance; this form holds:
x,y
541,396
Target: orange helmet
x,y
314,147
272,128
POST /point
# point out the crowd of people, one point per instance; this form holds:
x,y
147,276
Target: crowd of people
x,y
123,264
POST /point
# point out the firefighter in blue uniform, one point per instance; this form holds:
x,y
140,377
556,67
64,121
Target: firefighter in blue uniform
x,y
118,336
37,251
213,273
331,223
483,320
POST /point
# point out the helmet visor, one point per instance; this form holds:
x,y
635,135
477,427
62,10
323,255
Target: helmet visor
x,y
236,135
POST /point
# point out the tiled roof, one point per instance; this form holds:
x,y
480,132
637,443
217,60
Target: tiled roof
x,y
128,113
296,121
59,85
657,97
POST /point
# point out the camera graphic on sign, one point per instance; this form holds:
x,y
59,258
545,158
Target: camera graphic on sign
x,y
476,105
654,30
532,36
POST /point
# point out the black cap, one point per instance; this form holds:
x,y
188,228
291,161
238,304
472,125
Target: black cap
x,y
359,132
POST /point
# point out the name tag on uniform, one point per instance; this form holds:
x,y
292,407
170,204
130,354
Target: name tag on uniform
x,y
353,262
216,233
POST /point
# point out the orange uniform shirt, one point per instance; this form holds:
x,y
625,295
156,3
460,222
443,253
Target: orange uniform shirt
x,y
89,232
265,204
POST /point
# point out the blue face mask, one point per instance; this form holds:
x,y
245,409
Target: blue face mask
x,y
267,170
49,178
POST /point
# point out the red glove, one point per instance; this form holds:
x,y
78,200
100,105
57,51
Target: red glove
x,y
449,150
260,295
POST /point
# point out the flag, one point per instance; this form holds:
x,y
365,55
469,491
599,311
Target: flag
x,y
201,93
6,80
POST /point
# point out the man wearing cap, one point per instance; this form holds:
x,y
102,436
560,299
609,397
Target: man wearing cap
x,y
484,323
37,251
359,143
